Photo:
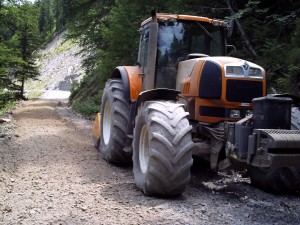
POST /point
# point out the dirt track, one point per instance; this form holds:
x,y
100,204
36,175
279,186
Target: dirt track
x,y
50,173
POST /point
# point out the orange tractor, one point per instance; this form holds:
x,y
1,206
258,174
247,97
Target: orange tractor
x,y
186,97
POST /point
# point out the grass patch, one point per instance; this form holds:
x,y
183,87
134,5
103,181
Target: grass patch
x,y
35,94
63,47
36,88
7,107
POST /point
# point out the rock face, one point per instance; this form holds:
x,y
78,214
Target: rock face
x,y
66,84
60,66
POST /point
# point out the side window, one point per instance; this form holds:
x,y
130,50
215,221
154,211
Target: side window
x,y
143,51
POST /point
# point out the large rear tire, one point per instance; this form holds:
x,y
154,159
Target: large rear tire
x,y
114,121
162,149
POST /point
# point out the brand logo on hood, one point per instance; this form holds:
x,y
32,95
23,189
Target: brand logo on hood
x,y
246,66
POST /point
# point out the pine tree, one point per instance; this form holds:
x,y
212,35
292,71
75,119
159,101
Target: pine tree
x,y
28,42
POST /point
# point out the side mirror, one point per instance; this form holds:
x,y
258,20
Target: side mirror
x,y
231,49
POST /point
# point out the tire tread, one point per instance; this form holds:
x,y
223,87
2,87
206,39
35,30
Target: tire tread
x,y
113,152
170,149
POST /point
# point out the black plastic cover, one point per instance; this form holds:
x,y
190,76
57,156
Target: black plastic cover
x,y
243,90
211,81
272,113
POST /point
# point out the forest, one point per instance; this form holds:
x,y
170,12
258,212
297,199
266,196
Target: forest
x,y
265,32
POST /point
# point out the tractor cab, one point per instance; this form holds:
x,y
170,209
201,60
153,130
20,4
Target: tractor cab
x,y
176,38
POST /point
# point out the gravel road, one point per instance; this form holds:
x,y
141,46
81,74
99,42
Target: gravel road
x,y
50,173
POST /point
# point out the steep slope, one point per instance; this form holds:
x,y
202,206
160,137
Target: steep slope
x,y
60,66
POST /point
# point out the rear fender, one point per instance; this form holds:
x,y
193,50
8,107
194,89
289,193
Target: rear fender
x,y
132,83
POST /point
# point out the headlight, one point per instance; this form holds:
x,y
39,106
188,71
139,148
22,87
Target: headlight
x,y
255,72
234,71
234,113
249,112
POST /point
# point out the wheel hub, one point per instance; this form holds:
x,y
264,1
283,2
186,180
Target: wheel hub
x,y
106,123
144,149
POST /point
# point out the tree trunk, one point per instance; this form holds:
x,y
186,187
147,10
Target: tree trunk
x,y
21,95
241,29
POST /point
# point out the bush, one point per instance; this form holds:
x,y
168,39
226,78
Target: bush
x,y
88,107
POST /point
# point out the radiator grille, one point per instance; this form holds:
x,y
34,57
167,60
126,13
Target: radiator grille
x,y
243,90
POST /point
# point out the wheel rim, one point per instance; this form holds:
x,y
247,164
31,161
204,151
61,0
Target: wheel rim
x,y
106,123
144,149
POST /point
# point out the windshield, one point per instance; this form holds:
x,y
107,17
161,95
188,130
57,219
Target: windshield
x,y
177,40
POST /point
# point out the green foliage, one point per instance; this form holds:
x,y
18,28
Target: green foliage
x,y
23,27
250,7
107,33
119,31
7,107
5,98
17,42
64,46
272,29
88,107
46,20
107,30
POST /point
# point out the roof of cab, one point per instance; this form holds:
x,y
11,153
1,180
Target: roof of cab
x,y
182,17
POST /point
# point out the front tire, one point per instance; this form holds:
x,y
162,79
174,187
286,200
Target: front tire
x,y
276,180
114,121
162,149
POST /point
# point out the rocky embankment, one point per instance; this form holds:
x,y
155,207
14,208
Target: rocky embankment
x,y
60,67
